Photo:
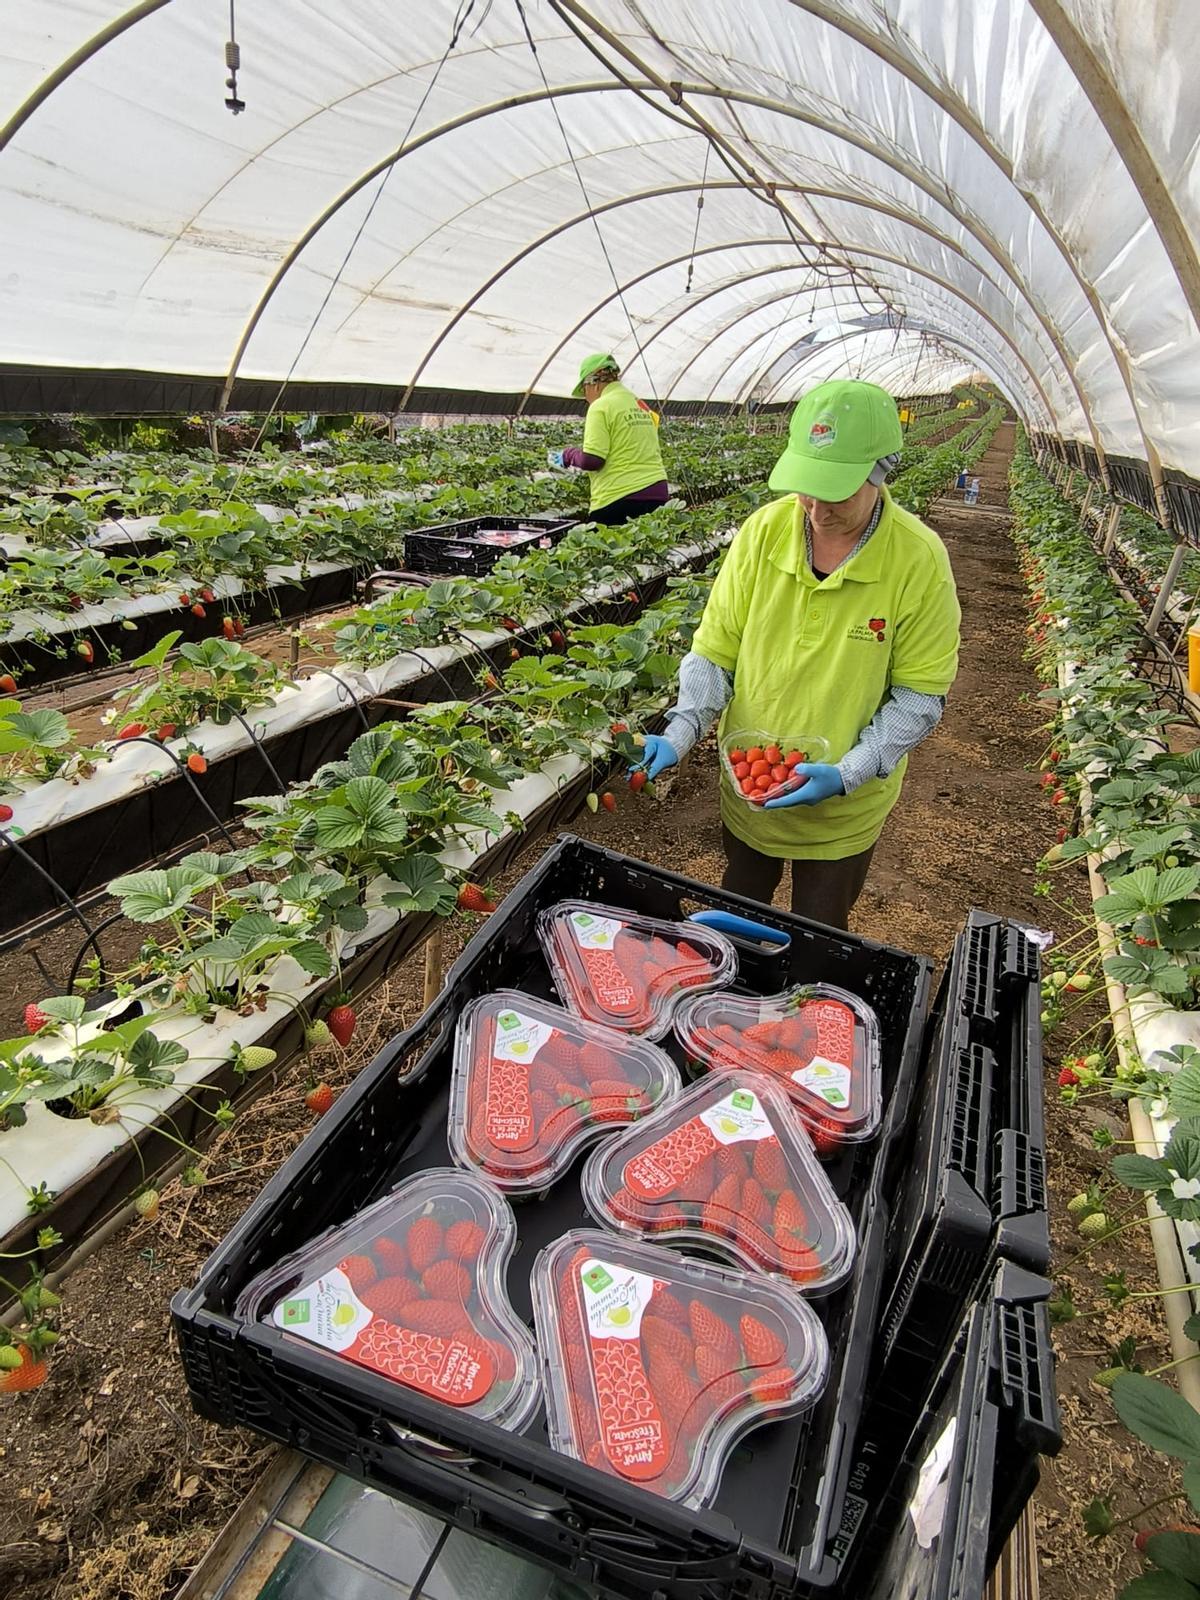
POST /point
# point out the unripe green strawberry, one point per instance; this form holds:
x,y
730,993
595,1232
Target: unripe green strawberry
x,y
194,1177
254,1058
1094,1226
1079,1204
317,1034
146,1204
1095,1061
593,802
10,1358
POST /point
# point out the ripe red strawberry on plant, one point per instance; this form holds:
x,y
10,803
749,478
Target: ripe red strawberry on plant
x,y
341,1022
8,684
35,1018
197,763
6,812
227,628
31,1371
1067,1078
472,898
132,730
319,1099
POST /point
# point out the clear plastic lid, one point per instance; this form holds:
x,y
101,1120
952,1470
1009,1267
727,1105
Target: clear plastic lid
x,y
626,970
655,1365
533,1083
820,1042
759,764
413,1288
727,1165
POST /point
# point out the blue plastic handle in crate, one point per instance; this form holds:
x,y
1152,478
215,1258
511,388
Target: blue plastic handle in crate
x,y
741,927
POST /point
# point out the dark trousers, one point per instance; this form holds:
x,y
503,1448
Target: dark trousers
x,y
624,510
823,891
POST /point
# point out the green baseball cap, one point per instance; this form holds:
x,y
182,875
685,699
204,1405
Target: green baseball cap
x,y
838,431
590,365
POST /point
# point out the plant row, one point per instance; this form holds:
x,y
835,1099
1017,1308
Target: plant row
x,y
1126,794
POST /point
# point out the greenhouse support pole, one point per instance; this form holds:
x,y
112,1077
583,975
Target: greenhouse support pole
x,y
433,966
1114,522
1167,589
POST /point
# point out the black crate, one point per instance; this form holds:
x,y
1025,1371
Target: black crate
x,y
768,1529
996,1390
455,549
975,1186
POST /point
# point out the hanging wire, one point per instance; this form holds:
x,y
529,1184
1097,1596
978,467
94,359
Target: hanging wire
x,y
586,198
462,16
687,288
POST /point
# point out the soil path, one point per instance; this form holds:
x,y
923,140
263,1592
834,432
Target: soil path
x,y
115,1487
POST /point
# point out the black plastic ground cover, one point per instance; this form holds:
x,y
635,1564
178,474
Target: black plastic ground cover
x,y
451,549
84,1206
158,822
37,662
760,1538
927,1520
975,1155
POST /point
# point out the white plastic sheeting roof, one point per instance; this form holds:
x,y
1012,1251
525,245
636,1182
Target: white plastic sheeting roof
x,y
1012,184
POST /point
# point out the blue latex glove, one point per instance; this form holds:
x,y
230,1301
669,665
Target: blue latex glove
x,y
824,780
657,755
554,458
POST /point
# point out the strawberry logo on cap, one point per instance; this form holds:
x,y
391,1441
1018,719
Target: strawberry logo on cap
x,y
823,432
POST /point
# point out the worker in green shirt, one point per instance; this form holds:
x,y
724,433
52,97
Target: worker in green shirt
x,y
620,449
834,617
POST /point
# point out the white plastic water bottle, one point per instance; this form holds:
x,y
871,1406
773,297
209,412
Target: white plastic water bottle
x,y
972,495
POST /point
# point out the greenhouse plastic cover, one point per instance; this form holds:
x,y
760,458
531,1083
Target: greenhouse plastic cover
x,y
472,196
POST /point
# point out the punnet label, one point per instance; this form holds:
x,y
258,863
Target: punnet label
x,y
594,933
828,1079
615,1299
519,1038
449,1366
741,1115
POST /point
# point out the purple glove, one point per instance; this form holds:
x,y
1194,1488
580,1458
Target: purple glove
x,y
572,456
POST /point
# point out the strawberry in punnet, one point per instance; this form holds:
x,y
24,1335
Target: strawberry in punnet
x,y
35,1019
464,1240
361,1271
31,1370
392,1255
763,1346
472,898
341,1022
424,1243
447,1280
319,1099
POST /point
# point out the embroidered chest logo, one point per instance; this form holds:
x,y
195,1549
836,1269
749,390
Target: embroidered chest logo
x,y
823,432
875,629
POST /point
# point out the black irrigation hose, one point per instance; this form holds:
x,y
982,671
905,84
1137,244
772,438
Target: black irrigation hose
x,y
186,772
20,850
261,748
92,942
355,701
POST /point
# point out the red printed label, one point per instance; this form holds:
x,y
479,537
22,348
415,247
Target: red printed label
x,y
454,1366
835,1030
508,1110
660,1168
612,988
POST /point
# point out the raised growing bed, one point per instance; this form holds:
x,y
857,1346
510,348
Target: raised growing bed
x,y
140,807
95,1167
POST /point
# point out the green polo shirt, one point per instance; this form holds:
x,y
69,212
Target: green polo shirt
x,y
819,658
626,435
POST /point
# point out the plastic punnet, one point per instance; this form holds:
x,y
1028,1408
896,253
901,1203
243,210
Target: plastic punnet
x,y
655,1365
729,1166
820,1042
533,1083
413,1288
627,970
748,757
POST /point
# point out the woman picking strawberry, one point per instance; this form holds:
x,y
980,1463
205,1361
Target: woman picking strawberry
x,y
620,450
834,614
